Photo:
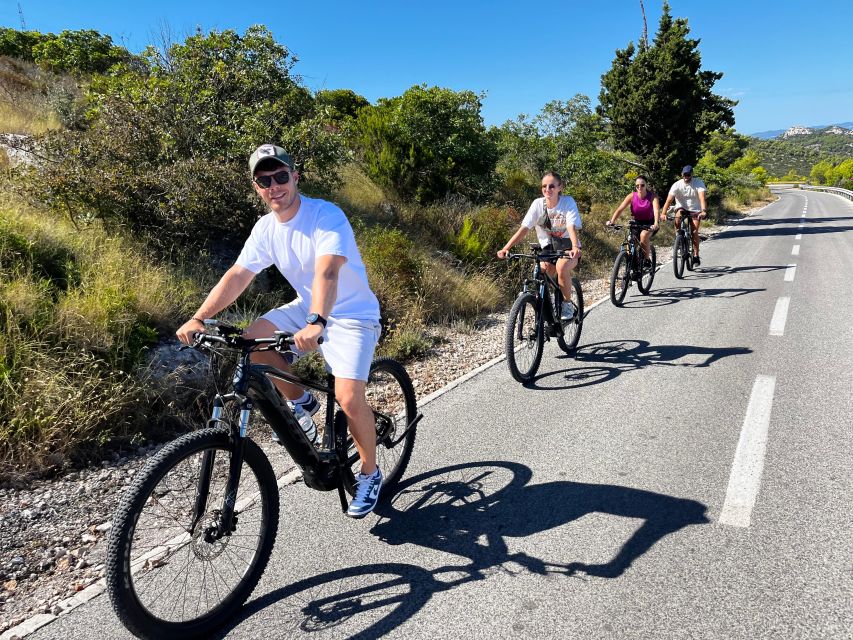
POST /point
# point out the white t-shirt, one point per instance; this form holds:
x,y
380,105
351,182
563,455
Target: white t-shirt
x,y
687,195
319,228
564,214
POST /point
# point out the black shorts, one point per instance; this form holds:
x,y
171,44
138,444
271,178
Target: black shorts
x,y
558,244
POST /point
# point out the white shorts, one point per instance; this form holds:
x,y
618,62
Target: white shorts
x,y
348,344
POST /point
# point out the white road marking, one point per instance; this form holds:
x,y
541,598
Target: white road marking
x,y
795,250
780,317
745,478
799,236
789,272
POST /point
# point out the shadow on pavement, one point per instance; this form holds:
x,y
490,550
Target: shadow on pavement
x,y
622,356
469,510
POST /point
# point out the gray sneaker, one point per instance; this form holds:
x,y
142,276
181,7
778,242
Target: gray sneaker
x,y
567,312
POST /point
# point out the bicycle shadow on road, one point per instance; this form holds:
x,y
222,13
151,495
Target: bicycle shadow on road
x,y
718,271
469,510
616,357
672,295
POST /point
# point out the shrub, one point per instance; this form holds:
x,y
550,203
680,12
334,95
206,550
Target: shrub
x,y
165,145
428,143
78,309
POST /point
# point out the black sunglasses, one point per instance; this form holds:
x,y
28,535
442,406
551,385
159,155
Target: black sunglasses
x,y
265,182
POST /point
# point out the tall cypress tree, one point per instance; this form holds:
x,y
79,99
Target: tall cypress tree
x,y
658,102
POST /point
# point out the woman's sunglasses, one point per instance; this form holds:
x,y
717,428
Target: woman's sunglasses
x,y
280,177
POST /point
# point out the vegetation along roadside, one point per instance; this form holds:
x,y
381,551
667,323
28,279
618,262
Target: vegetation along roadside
x,y
125,197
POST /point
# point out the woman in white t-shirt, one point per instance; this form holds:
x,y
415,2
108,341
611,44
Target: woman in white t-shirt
x,y
556,219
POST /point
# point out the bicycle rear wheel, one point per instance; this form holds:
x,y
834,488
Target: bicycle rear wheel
x,y
391,395
648,273
169,576
568,342
524,338
679,255
620,279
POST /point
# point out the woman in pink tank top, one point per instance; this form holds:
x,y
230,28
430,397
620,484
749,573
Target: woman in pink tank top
x,y
645,208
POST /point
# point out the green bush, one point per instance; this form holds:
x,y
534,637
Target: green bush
x,y
164,147
428,143
78,310
483,232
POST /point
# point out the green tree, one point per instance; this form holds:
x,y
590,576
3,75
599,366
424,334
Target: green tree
x,y
78,52
20,44
659,102
841,175
428,143
726,146
820,171
164,151
342,103
575,134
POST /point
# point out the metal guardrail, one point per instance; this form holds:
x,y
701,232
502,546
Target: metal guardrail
x,y
844,193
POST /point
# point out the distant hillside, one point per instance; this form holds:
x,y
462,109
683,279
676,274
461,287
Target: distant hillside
x,y
800,148
775,133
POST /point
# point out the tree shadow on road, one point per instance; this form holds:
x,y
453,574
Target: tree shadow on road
x,y
470,510
613,358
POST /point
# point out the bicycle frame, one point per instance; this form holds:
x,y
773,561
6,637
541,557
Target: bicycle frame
x,y
544,306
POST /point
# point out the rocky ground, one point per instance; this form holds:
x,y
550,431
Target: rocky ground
x,y
53,532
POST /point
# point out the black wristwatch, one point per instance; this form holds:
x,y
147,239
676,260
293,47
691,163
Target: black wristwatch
x,y
316,318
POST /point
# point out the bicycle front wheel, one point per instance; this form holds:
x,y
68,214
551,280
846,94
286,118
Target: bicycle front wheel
x,y
620,279
648,273
169,573
524,338
568,342
679,255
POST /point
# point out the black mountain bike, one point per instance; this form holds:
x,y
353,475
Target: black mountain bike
x,y
631,264
535,317
682,252
194,532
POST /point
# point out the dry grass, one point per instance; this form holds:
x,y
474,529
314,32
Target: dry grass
x,y
77,308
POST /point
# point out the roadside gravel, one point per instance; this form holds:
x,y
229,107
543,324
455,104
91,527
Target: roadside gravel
x,y
53,532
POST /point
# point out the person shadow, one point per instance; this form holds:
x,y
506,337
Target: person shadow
x,y
464,510
469,511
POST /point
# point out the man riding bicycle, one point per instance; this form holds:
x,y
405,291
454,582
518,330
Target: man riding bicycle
x,y
556,219
689,196
312,244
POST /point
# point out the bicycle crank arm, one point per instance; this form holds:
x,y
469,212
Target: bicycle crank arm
x,y
403,435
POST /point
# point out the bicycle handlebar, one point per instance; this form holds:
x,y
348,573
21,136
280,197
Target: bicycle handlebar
x,y
545,256
631,225
232,336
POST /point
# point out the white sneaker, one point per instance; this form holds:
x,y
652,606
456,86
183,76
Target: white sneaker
x,y
567,312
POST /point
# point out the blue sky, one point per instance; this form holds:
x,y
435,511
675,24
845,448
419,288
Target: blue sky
x,y
786,62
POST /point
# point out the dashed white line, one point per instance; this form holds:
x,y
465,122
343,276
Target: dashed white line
x,y
780,317
795,250
799,236
745,477
789,272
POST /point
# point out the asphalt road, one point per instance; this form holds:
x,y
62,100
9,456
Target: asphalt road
x,y
688,475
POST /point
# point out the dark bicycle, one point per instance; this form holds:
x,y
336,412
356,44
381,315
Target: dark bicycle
x,y
194,532
682,253
631,265
535,317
